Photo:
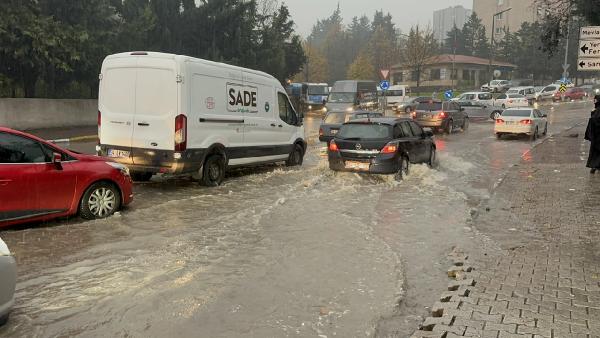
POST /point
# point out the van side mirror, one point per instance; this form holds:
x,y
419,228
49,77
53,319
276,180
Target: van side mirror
x,y
57,160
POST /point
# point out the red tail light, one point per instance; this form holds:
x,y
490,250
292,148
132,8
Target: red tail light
x,y
442,115
180,133
333,147
320,131
526,122
413,115
389,148
499,121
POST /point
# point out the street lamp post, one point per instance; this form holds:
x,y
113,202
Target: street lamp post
x,y
490,74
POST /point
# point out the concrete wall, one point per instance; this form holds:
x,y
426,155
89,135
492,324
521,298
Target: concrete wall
x,y
26,114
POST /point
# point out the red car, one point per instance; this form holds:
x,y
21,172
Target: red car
x,y
40,181
573,94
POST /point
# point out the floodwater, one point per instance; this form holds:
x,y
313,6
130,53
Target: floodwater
x,y
274,252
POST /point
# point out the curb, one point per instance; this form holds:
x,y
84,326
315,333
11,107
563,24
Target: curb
x,y
75,139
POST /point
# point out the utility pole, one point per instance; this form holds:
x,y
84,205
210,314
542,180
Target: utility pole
x,y
490,73
565,63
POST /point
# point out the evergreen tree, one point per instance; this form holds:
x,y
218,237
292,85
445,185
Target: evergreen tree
x,y
361,69
455,42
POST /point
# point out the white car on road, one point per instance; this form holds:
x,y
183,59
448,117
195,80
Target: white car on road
x,y
521,121
529,92
8,278
496,86
484,99
511,101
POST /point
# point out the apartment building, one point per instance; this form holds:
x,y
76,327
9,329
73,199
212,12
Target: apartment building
x,y
445,19
521,11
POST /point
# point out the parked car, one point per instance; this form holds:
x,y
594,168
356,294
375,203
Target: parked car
x,y
8,280
333,121
550,92
478,112
481,98
496,86
445,116
40,181
574,93
528,92
381,146
523,121
511,100
411,105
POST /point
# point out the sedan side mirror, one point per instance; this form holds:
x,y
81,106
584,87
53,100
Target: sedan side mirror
x,y
57,160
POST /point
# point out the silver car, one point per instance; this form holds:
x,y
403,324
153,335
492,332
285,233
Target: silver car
x,y
8,279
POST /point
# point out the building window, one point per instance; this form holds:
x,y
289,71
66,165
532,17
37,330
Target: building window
x,y
435,74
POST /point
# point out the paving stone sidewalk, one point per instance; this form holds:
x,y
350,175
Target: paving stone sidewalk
x,y
545,282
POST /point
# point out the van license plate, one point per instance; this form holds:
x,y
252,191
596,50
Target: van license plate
x,y
357,165
118,153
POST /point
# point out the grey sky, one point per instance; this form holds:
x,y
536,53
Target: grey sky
x,y
404,12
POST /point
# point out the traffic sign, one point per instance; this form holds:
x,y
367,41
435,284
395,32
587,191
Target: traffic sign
x,y
449,94
384,73
385,85
588,64
590,33
589,48
563,88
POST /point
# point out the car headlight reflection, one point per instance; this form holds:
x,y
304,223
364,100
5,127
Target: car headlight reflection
x,y
122,168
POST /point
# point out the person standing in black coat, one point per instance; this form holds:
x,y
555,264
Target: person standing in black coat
x,y
592,134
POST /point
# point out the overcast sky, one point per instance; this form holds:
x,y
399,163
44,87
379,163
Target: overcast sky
x,y
405,13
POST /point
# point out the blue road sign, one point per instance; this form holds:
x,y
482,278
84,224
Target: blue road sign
x,y
449,94
385,85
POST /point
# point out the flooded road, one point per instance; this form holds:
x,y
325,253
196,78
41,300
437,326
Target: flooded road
x,y
273,252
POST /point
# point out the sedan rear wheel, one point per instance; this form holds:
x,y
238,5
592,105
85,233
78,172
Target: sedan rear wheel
x,y
450,127
404,169
534,136
465,124
546,129
100,200
432,158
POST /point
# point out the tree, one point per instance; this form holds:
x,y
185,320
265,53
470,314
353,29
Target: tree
x,y
315,68
558,13
420,48
455,42
383,46
361,69
474,34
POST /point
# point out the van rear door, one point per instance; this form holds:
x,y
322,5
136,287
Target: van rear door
x,y
156,104
116,106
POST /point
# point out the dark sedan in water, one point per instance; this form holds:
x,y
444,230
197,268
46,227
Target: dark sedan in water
x,y
333,121
444,116
381,146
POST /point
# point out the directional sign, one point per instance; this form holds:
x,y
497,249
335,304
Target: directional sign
x,y
384,73
385,85
590,33
586,64
589,48
563,88
449,94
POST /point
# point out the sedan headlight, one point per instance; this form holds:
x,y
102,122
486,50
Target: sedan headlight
x,y
4,249
123,169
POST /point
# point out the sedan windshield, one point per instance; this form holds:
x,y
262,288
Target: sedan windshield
x,y
342,97
517,113
365,131
430,106
335,118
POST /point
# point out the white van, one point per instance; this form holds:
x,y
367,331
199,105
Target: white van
x,y
165,113
396,94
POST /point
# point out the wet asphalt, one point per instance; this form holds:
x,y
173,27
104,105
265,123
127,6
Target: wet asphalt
x,y
273,252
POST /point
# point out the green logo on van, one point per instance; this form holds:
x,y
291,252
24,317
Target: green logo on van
x,y
267,107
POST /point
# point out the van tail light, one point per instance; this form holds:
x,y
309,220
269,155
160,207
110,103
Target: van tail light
x,y
413,115
526,122
333,147
499,121
389,148
442,115
180,133
321,132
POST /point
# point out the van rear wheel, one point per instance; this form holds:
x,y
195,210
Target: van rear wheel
x,y
296,156
213,171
